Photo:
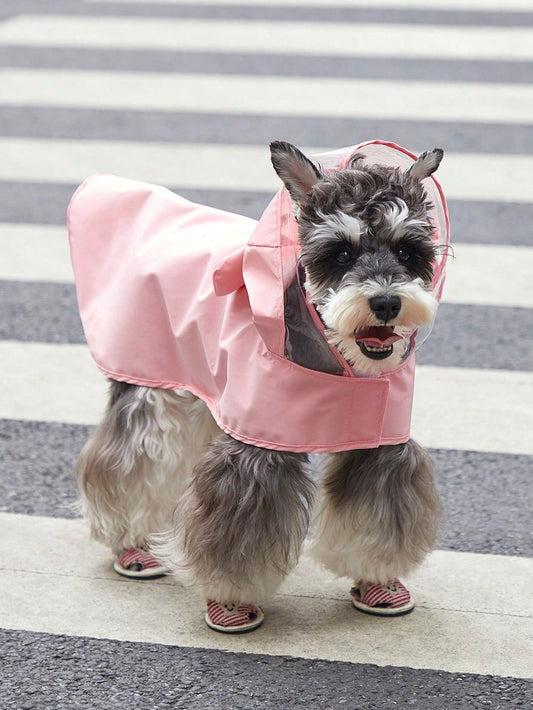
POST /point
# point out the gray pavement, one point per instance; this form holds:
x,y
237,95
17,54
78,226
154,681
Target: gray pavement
x,y
81,671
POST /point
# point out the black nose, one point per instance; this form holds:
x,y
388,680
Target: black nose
x,y
385,307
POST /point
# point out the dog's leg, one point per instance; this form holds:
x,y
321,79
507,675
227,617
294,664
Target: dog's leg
x,y
242,521
134,468
379,513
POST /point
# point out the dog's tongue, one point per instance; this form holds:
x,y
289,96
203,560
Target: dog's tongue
x,y
377,336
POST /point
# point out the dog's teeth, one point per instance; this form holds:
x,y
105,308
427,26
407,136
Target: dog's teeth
x,y
378,350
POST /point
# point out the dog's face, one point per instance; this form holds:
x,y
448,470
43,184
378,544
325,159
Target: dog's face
x,y
367,249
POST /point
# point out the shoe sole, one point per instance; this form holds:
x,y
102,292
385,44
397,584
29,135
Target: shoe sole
x,y
383,611
150,573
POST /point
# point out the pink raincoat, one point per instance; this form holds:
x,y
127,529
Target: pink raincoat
x,y
181,296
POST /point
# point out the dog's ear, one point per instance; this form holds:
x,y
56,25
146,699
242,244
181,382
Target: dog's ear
x,y
297,172
426,164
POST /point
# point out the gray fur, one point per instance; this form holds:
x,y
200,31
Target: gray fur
x,y
426,164
296,171
132,470
388,505
105,468
245,516
369,194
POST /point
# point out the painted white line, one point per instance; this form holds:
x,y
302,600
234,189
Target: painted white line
x,y
510,5
30,252
480,274
295,38
464,176
490,275
47,560
257,95
455,408
50,383
473,409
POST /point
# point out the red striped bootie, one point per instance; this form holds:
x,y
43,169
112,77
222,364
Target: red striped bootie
x,y
391,599
139,564
233,618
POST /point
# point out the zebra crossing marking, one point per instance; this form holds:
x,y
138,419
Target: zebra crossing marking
x,y
292,38
56,581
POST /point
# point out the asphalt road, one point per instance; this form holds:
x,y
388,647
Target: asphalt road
x,y
189,94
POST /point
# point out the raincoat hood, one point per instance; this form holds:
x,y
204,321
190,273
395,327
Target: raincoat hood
x,y
181,296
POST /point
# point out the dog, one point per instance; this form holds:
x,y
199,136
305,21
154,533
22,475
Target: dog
x,y
169,482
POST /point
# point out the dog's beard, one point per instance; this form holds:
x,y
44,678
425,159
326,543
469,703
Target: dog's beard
x,y
369,345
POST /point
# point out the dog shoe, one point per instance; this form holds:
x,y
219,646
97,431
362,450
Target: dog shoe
x,y
233,619
140,564
391,599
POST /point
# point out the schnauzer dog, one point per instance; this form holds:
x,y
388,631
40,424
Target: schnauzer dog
x,y
166,487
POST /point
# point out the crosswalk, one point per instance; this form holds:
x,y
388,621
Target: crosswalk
x,y
295,96
52,539
477,176
364,39
188,94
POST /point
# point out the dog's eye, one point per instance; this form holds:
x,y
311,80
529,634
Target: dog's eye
x,y
343,256
404,255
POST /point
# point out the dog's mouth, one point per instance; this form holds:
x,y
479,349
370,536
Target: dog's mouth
x,y
377,341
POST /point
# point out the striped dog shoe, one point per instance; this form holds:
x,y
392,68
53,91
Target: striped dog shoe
x,y
233,619
139,564
391,599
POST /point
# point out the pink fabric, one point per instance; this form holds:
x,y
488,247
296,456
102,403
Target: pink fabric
x,y
182,296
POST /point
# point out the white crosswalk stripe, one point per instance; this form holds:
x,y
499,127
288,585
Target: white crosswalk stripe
x,y
471,602
285,96
473,614
204,166
293,38
510,5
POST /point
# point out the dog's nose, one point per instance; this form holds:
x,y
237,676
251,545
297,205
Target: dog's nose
x,y
385,307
